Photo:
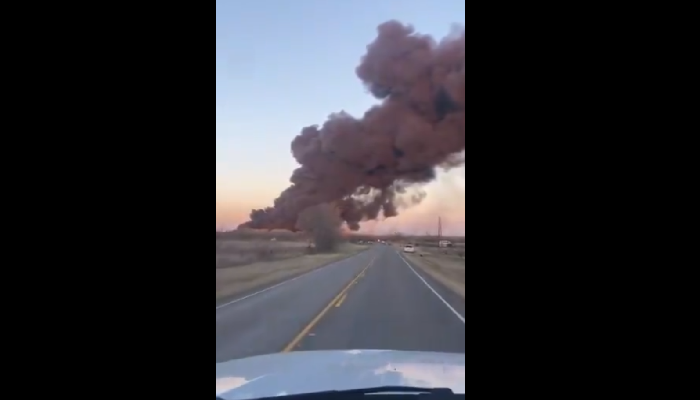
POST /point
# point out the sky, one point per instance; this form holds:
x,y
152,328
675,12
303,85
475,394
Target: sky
x,y
282,65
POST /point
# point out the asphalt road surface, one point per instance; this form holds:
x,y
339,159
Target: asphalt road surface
x,y
373,300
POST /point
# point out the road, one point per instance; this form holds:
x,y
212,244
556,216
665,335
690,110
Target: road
x,y
373,300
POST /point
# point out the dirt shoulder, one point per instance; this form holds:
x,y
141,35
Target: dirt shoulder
x,y
446,269
241,279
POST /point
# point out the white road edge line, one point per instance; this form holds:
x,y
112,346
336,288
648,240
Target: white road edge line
x,y
283,282
458,315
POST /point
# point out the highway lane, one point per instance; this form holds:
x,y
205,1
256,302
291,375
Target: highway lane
x,y
267,322
374,300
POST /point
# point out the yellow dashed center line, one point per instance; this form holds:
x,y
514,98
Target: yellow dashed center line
x,y
337,301
342,299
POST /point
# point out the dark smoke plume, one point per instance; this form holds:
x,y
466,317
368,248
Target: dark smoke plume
x,y
363,166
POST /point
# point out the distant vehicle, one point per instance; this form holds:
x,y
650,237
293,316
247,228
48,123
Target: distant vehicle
x,y
445,243
409,248
349,374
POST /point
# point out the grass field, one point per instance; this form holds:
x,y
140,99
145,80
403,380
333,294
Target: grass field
x,y
236,253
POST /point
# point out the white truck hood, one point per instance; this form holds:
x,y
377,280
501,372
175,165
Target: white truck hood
x,y
314,371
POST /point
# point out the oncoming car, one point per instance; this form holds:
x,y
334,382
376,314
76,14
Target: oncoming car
x,y
409,248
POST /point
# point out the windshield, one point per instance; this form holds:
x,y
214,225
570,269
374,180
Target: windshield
x,y
340,135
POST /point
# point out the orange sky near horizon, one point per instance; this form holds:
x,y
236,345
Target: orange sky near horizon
x,y
445,198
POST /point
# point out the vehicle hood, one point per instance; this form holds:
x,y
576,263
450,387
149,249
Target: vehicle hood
x,y
283,374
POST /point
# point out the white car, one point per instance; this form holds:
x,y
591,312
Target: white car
x,y
409,248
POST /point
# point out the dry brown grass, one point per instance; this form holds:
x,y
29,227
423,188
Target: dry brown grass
x,y
250,234
447,266
235,253
232,281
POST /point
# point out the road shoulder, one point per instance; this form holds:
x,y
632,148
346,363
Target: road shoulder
x,y
452,292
